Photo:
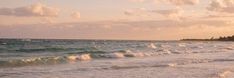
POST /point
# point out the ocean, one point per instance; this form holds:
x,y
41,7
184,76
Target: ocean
x,y
64,58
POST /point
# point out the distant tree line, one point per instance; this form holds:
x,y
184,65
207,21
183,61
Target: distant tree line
x,y
226,38
221,38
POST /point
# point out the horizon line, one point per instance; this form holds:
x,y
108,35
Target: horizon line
x,y
90,39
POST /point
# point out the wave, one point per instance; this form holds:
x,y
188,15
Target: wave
x,y
45,60
131,54
67,58
83,57
228,48
112,55
140,66
89,55
32,61
182,44
151,45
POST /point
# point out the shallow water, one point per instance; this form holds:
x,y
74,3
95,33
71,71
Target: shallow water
x,y
115,59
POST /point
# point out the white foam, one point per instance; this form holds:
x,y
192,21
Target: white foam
x,y
172,64
151,45
164,46
29,60
165,51
128,51
83,57
56,58
131,54
149,54
182,45
114,55
229,48
224,74
71,58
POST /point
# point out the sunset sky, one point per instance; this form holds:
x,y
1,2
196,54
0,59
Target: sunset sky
x,y
116,19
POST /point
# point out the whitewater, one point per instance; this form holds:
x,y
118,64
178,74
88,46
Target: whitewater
x,y
41,58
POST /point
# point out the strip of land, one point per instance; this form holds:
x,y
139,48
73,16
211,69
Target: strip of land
x,y
224,38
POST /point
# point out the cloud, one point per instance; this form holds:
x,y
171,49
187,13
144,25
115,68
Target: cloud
x,y
161,29
75,15
222,6
173,2
219,16
129,12
137,0
171,13
183,2
136,12
35,10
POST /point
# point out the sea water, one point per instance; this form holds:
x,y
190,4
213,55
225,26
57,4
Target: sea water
x,y
41,58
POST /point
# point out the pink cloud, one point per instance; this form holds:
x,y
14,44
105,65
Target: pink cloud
x,y
223,6
35,10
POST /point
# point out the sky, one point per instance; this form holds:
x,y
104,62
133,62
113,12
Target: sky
x,y
116,19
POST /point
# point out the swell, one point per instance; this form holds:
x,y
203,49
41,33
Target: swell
x,y
32,61
89,55
47,49
70,57
222,74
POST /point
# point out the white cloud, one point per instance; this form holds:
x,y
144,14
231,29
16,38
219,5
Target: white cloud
x,y
129,12
222,6
136,12
183,2
163,29
175,14
75,15
35,10
174,2
171,13
137,0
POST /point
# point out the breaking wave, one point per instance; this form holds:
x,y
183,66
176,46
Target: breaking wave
x,y
67,58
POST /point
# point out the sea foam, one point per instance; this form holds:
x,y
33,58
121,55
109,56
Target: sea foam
x,y
131,54
113,55
151,45
82,57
